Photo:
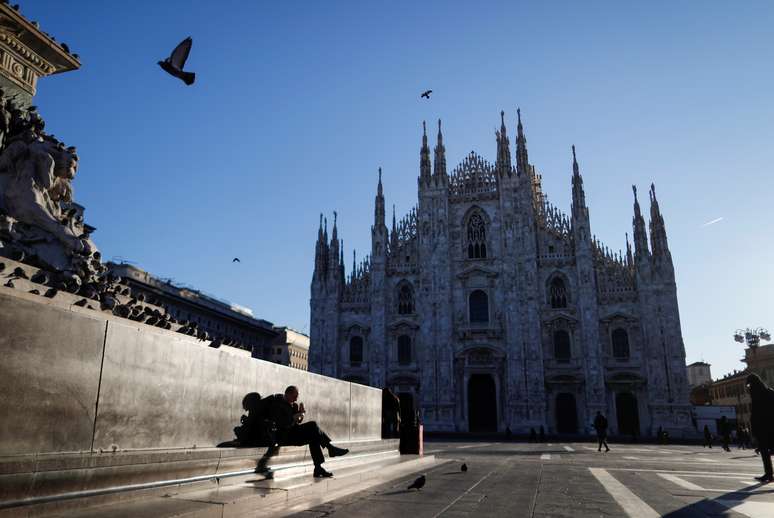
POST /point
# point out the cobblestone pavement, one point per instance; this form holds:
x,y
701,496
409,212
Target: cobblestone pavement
x,y
570,480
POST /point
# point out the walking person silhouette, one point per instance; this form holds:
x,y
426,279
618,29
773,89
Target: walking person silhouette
x,y
707,437
600,425
762,422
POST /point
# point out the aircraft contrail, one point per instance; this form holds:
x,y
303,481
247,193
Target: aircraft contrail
x,y
712,222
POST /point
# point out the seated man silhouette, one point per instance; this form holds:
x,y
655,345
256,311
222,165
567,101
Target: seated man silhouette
x,y
287,415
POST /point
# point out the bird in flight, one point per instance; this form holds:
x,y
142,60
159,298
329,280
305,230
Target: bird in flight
x,y
236,260
418,483
174,64
426,94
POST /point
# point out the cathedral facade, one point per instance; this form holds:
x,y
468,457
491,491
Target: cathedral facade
x,y
486,308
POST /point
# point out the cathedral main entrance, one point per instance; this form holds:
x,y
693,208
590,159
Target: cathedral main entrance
x,y
566,413
482,403
628,415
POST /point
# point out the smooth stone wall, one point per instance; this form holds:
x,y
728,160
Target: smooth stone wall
x,y
153,388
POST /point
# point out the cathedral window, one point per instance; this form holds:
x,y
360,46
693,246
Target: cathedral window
x,y
405,299
620,344
476,237
404,350
562,351
478,306
355,351
557,293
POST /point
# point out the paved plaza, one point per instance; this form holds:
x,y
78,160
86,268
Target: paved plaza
x,y
569,479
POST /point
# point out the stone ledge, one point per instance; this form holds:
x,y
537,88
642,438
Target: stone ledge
x,y
57,489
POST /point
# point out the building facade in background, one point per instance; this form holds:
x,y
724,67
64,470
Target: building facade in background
x,y
290,348
486,307
698,374
218,317
731,389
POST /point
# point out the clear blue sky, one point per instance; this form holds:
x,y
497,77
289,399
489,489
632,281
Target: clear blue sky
x,y
296,104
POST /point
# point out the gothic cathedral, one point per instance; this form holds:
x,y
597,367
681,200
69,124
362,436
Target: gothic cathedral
x,y
487,308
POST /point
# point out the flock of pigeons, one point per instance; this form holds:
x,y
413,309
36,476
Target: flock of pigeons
x,y
174,64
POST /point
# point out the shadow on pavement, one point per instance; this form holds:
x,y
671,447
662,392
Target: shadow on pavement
x,y
719,505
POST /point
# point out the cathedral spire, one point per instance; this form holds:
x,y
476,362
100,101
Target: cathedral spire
x,y
379,204
320,250
658,237
503,163
424,157
522,160
578,195
334,253
629,259
640,235
439,165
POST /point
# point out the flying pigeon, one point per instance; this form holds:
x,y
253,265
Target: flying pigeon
x,y
418,483
174,64
426,94
464,467
236,260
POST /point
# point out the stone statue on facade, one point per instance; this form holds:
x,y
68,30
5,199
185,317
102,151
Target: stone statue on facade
x,y
38,218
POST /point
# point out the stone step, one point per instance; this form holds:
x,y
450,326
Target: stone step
x,y
42,484
253,497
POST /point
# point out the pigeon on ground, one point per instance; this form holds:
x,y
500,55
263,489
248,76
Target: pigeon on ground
x,y
236,260
174,64
2,267
81,303
51,293
464,467
418,483
8,284
20,273
426,94
34,292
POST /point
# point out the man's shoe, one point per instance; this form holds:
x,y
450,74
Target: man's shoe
x,y
764,478
607,450
335,451
319,472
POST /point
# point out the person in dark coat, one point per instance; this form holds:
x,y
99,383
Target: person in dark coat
x,y
762,422
725,432
707,437
287,415
600,425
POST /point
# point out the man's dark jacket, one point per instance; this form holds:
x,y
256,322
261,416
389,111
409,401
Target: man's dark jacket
x,y
600,423
762,416
277,409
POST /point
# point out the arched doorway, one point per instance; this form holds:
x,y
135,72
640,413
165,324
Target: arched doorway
x,y
482,404
628,415
566,413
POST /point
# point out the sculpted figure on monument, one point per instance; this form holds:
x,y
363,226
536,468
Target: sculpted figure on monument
x,y
36,206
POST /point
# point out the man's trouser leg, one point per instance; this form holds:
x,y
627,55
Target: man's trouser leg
x,y
766,456
309,433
